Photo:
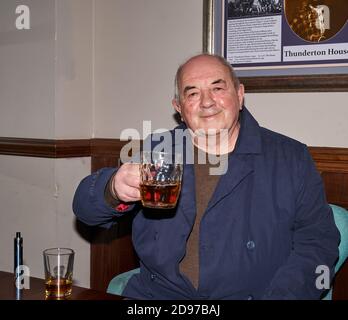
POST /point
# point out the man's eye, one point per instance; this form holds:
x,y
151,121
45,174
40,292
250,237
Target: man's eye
x,y
193,94
217,89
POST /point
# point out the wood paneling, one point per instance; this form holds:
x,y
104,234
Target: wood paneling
x,y
45,148
332,164
340,291
112,253
112,250
297,83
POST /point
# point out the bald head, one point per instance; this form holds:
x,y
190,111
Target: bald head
x,y
205,57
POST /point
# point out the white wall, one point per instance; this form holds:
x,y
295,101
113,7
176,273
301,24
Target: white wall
x,y
36,196
316,119
139,45
46,92
74,69
27,71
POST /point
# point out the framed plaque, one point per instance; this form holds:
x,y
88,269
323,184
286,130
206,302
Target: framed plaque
x,y
281,45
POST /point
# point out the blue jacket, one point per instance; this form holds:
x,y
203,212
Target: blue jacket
x,y
266,229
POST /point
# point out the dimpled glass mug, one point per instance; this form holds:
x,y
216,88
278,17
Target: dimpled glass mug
x,y
161,175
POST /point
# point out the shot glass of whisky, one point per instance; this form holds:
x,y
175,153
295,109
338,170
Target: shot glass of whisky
x,y
161,175
58,264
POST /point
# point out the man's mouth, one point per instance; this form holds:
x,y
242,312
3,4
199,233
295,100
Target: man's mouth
x,y
208,116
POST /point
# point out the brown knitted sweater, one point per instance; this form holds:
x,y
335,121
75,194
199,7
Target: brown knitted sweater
x,y
204,185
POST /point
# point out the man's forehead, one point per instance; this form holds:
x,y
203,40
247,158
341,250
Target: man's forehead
x,y
206,72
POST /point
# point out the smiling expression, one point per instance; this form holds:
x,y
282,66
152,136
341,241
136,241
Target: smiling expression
x,y
208,98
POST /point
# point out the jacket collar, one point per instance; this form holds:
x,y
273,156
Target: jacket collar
x,y
249,139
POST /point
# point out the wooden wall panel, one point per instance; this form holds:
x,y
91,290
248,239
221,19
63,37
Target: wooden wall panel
x,y
45,148
111,253
332,163
112,250
340,291
297,83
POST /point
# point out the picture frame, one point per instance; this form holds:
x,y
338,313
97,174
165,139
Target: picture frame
x,y
301,79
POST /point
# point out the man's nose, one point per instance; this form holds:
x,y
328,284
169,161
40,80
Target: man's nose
x,y
207,99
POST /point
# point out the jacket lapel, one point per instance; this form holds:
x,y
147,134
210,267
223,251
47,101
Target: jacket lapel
x,y
187,201
238,169
241,160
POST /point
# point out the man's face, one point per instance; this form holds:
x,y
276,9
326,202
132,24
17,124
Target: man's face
x,y
208,98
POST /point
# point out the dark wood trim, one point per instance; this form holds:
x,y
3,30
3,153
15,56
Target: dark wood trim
x,y
109,147
300,83
45,148
327,158
67,148
112,253
73,148
330,159
112,250
332,164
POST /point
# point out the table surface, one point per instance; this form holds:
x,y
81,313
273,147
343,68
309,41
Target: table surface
x,y
37,290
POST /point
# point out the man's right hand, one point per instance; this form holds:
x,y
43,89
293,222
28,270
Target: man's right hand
x,y
126,183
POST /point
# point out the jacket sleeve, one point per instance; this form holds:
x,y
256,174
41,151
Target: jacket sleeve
x,y
315,241
89,204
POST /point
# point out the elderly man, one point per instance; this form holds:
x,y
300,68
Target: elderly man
x,y
257,231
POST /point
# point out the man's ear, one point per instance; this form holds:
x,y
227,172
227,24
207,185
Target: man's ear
x,y
241,96
176,105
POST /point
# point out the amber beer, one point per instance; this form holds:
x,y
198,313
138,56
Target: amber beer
x,y
58,288
159,195
160,174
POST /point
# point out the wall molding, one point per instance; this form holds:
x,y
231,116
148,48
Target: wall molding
x,y
67,148
300,83
327,158
330,159
45,148
62,148
110,147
